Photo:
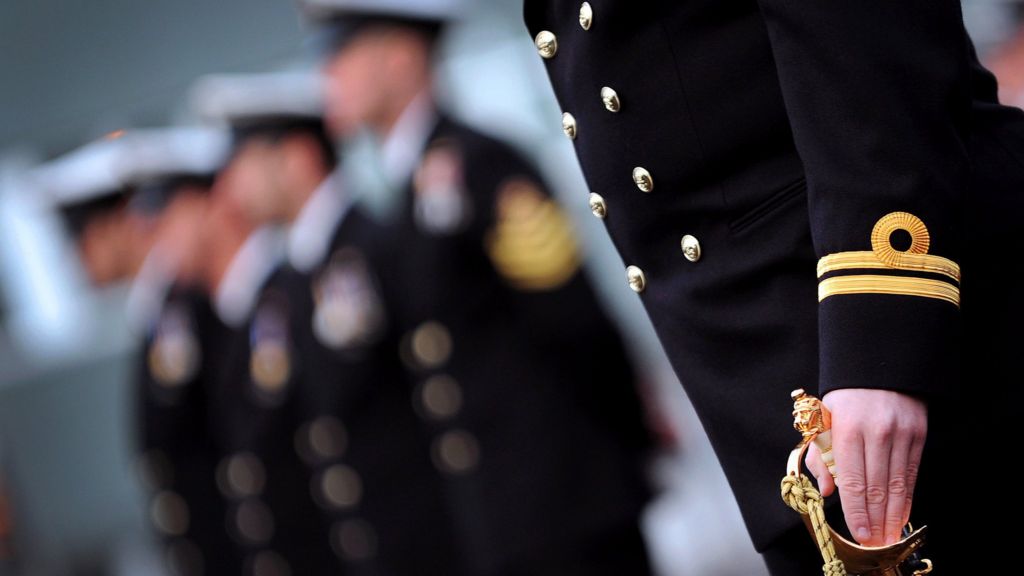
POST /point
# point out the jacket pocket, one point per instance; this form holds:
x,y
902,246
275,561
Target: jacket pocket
x,y
769,206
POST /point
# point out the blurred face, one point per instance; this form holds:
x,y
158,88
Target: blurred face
x,y
104,247
354,96
248,185
372,77
179,235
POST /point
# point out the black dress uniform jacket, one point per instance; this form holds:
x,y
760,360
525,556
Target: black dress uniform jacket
x,y
264,485
789,181
380,501
178,455
521,380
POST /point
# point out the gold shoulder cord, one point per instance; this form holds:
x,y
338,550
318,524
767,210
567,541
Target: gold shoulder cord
x,y
841,556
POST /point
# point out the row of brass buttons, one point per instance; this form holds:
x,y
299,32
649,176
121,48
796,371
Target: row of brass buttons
x,y
547,47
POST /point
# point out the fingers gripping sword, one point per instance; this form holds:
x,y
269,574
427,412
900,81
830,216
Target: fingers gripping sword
x,y
814,422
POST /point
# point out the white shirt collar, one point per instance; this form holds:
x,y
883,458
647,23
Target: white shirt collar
x,y
404,145
309,236
252,265
148,291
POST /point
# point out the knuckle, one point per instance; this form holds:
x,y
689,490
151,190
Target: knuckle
x,y
907,427
853,486
898,486
883,433
875,495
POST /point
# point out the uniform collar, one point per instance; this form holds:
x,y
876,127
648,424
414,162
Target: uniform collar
x,y
148,291
404,145
309,237
248,271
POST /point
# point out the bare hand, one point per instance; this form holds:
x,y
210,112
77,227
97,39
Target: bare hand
x,y
877,440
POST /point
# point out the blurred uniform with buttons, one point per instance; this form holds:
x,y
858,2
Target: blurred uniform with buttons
x,y
370,474
270,516
125,199
318,409
519,378
794,187
169,172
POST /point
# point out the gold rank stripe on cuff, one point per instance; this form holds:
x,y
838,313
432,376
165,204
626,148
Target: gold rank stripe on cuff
x,y
898,285
907,261
885,256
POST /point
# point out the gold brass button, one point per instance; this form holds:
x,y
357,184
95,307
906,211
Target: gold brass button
x,y
240,475
691,248
569,125
636,278
440,397
254,522
643,179
325,438
340,487
547,44
611,99
456,452
431,345
598,206
586,16
169,513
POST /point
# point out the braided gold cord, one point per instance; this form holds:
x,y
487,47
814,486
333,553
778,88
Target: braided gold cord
x,y
799,494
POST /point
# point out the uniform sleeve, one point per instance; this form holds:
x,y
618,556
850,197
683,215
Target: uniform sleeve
x,y
878,96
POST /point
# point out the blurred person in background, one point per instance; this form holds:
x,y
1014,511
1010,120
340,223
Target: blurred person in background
x,y
170,172
795,186
84,186
520,379
254,360
348,415
320,446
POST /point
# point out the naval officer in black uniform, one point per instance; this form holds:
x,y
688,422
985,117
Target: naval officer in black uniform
x,y
520,380
316,404
169,172
264,486
797,189
162,174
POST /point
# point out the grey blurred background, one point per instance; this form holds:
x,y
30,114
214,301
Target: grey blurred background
x,y
71,70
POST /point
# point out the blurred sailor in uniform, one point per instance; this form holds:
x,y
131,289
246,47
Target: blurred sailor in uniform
x,y
518,376
169,172
321,404
269,517
100,190
84,186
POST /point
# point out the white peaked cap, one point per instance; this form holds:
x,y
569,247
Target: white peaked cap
x,y
237,99
439,10
85,174
167,152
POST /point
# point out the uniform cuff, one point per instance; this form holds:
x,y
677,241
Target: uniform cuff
x,y
890,318
904,343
